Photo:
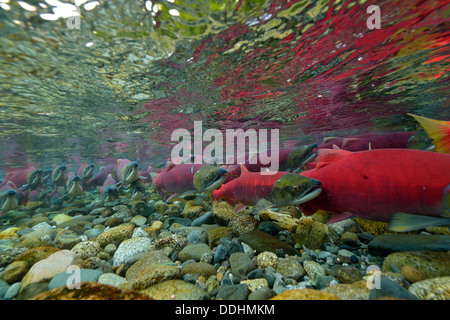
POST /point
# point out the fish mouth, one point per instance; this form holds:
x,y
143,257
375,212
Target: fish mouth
x,y
308,195
217,183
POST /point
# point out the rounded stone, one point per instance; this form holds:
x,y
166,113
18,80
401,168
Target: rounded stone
x,y
267,259
130,248
86,249
115,235
193,251
176,290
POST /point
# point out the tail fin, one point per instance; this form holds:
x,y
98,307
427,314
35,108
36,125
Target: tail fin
x,y
437,130
403,222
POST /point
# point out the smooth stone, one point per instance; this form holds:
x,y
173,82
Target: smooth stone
x,y
193,251
305,294
12,291
348,274
354,291
130,248
86,249
111,279
65,278
263,293
203,219
60,218
220,253
46,269
197,236
313,269
154,274
150,258
324,281
429,264
241,264
233,292
388,288
432,289
176,290
91,291
4,286
310,233
116,235
290,267
269,227
262,241
15,271
386,244
200,268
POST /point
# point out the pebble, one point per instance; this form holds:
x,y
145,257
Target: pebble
x,y
388,288
176,290
12,291
411,274
47,268
130,248
233,292
15,271
267,259
115,235
203,219
200,268
313,269
262,241
73,278
255,284
432,289
269,227
386,244
429,264
86,249
111,279
193,251
263,293
305,294
310,233
290,267
241,264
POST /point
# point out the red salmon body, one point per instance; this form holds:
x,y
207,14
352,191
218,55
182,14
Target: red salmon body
x,y
370,141
176,178
376,184
248,188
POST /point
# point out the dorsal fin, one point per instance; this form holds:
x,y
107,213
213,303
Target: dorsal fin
x,y
169,165
327,156
335,147
328,139
243,169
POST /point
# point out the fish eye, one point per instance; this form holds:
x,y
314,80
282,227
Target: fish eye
x,y
296,188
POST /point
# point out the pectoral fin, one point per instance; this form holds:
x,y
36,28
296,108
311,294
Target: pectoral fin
x,y
403,222
339,217
262,205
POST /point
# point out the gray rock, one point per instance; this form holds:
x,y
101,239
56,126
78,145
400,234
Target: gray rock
x,y
241,264
111,279
4,286
386,244
130,248
12,291
62,279
204,219
313,269
263,293
233,292
193,251
389,288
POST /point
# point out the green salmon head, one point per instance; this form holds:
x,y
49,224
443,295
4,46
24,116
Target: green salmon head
x,y
111,193
300,156
34,178
88,172
74,186
294,189
209,178
9,200
59,175
130,172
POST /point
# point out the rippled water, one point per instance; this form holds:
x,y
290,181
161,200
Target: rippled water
x,y
135,71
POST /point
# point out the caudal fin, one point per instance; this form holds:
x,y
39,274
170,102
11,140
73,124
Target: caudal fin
x,y
404,222
437,130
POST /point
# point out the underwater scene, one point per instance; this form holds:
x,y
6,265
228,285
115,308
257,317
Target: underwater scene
x,y
235,150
